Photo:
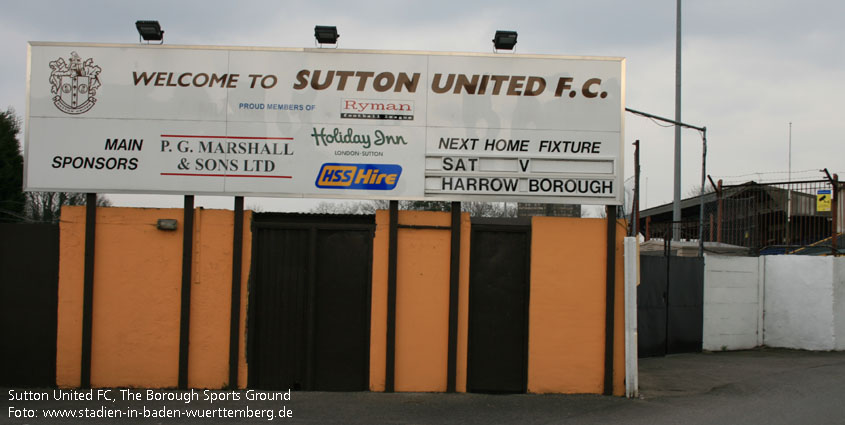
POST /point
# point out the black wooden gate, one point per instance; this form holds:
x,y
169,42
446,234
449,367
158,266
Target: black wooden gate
x,y
309,307
670,301
498,308
29,284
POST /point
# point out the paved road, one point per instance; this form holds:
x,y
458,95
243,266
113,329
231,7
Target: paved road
x,y
750,387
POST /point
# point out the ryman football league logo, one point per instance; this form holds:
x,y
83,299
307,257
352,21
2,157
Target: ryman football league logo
x,y
75,84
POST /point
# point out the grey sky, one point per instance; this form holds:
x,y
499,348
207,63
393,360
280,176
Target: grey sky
x,y
750,67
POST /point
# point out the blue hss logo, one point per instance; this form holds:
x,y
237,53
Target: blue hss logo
x,y
359,176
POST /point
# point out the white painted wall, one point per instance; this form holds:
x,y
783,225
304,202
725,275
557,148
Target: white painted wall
x,y
732,300
788,301
839,302
799,302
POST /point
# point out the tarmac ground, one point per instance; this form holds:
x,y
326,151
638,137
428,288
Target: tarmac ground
x,y
763,386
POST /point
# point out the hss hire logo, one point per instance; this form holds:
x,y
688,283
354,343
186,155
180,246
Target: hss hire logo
x,y
358,176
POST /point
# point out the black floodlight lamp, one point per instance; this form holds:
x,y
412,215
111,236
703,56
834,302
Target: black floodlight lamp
x,y
326,35
150,31
504,40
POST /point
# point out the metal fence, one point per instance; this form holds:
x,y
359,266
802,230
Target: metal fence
x,y
779,218
801,217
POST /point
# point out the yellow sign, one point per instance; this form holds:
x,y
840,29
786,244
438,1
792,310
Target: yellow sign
x,y
823,200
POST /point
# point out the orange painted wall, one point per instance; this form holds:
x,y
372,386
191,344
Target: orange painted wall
x,y
378,308
135,331
137,299
463,306
243,369
69,324
211,288
137,281
422,303
567,306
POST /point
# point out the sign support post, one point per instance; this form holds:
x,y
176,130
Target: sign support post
x,y
235,316
88,288
187,265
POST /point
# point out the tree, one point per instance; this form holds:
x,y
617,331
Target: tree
x,y
475,209
695,190
345,208
490,209
430,206
12,198
356,207
46,207
15,205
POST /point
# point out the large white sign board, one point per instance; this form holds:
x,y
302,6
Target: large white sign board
x,y
324,123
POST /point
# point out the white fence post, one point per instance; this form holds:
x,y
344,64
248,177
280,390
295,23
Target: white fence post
x,y
632,278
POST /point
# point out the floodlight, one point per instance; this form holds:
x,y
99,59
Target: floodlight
x,y
326,35
504,40
150,30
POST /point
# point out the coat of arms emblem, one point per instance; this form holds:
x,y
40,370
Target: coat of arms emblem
x,y
74,84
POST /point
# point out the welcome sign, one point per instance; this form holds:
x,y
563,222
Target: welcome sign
x,y
324,123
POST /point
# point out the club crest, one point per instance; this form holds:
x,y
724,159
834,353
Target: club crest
x,y
74,84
